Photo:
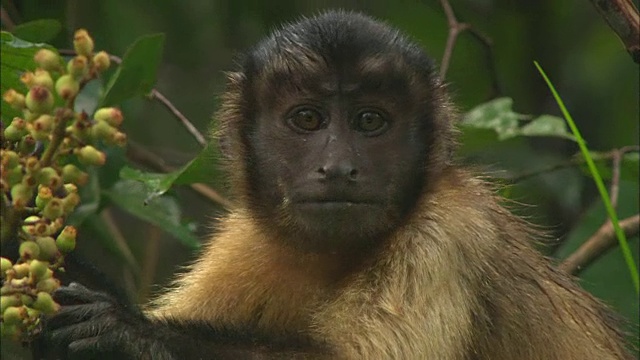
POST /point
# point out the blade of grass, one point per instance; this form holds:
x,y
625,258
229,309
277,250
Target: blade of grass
x,y
622,239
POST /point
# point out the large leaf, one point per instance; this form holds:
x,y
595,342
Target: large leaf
x,y
42,30
16,56
164,212
137,74
203,169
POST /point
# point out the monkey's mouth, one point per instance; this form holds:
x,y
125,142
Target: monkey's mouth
x,y
333,204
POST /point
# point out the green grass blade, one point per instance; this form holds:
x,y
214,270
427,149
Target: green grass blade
x,y
622,239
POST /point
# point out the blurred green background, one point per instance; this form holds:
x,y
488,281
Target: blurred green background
x,y
586,61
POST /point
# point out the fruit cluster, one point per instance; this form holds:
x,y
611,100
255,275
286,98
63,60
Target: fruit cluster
x,y
42,156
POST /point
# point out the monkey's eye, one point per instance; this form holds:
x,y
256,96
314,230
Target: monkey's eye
x,y
371,122
306,120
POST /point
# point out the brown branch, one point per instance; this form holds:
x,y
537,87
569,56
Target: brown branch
x,y
138,154
622,17
598,244
614,189
6,19
455,29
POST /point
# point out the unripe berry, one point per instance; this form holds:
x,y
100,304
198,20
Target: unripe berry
x,y
48,285
53,210
27,78
38,268
48,176
48,247
12,133
9,159
113,116
21,270
118,139
82,42
42,127
66,241
70,202
32,165
44,302
67,87
13,315
78,67
101,61
26,300
70,188
14,98
29,250
39,100
13,175
27,145
9,300
89,155
101,130
5,264
30,224
47,59
21,195
44,196
42,78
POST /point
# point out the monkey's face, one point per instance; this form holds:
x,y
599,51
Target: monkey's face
x,y
337,131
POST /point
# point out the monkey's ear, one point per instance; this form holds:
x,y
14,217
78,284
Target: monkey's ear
x,y
230,115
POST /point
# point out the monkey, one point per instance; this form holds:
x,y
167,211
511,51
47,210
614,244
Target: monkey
x,y
357,233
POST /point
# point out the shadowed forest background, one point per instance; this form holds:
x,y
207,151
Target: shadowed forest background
x,y
594,75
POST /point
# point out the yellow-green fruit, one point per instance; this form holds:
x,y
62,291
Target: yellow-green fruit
x,y
101,130
70,202
41,127
39,100
21,195
89,155
44,196
21,270
82,42
67,87
66,241
44,302
113,116
9,300
48,285
30,224
14,98
119,139
13,133
70,188
32,164
47,59
78,67
14,314
53,209
101,61
49,177
29,250
9,331
10,159
48,247
14,175
42,78
71,174
27,145
26,300
5,264
38,268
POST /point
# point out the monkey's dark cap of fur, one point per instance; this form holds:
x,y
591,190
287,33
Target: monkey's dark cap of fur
x,y
340,37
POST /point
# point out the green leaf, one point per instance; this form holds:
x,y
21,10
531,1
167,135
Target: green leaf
x,y
497,115
38,30
547,125
16,56
136,76
203,169
164,212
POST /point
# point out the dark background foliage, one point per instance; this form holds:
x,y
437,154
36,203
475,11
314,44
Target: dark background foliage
x,y
586,61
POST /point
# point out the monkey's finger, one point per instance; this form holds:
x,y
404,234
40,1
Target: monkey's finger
x,y
73,314
78,294
97,347
88,329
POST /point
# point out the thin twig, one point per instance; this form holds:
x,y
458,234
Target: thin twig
x,y
614,189
455,29
622,16
8,24
598,244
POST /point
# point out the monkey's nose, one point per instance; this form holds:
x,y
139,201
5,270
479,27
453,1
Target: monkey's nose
x,y
338,171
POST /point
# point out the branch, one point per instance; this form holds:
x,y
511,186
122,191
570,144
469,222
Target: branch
x,y
455,29
598,244
622,17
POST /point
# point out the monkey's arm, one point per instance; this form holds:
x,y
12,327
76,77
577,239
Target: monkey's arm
x,y
94,325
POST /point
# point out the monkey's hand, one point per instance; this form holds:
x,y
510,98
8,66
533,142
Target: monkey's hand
x,y
93,325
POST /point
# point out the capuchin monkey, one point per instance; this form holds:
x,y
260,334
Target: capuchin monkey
x,y
356,234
